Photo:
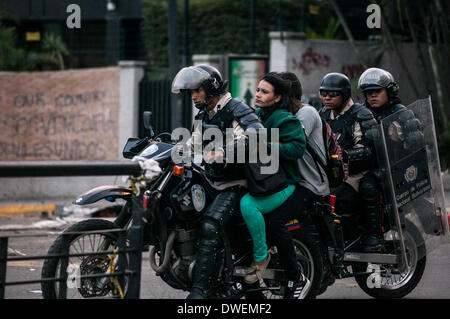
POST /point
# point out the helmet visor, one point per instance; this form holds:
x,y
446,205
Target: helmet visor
x,y
189,78
369,87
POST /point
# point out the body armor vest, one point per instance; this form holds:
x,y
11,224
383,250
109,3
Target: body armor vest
x,y
343,125
386,111
234,110
361,158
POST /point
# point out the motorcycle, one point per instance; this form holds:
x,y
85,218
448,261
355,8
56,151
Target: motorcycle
x,y
172,204
327,244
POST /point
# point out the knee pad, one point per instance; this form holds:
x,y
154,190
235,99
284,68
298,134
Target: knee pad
x,y
209,231
223,207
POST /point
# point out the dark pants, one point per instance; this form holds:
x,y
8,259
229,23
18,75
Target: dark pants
x,y
367,202
222,209
347,199
370,191
301,200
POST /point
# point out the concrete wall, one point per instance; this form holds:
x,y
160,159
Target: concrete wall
x,y
129,73
310,60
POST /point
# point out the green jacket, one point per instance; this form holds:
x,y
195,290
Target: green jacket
x,y
291,138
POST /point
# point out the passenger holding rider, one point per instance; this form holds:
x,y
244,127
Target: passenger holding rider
x,y
216,107
381,97
273,105
352,123
310,190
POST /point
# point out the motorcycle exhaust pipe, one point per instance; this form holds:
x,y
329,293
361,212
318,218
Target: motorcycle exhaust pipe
x,y
167,253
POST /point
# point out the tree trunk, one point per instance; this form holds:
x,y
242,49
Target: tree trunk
x,y
386,31
420,55
435,67
443,52
348,32
61,61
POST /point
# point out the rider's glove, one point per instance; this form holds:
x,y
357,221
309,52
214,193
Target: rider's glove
x,y
216,156
150,167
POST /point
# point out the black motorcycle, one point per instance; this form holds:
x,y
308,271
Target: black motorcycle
x,y
173,204
327,244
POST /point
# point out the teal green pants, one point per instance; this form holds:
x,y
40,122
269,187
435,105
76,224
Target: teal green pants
x,y
253,208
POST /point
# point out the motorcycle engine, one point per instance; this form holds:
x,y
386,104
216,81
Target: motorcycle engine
x,y
184,248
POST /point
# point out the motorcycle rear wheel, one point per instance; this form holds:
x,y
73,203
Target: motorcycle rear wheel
x,y
310,263
397,285
93,264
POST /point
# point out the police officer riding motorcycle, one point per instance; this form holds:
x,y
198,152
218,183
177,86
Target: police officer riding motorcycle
x,y
381,93
352,123
219,110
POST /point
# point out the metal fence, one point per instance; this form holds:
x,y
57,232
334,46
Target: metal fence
x,y
155,96
124,272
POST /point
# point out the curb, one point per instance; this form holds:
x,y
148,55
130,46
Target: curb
x,y
27,210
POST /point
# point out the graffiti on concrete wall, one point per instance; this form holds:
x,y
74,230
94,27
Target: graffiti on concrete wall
x,y
71,115
353,71
309,61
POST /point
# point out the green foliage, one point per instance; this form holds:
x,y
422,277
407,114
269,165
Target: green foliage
x,y
11,56
54,49
154,29
50,55
331,31
223,26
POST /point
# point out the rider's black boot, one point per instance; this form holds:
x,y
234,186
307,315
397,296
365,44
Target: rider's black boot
x,y
372,239
204,272
206,268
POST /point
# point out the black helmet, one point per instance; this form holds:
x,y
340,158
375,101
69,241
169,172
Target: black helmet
x,y
337,82
193,77
375,78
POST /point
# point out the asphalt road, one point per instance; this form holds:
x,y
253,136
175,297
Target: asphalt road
x,y
435,283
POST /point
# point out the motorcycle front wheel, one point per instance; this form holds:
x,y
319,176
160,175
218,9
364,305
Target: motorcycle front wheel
x,y
90,264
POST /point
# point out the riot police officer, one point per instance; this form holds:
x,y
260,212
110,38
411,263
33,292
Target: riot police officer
x,y
381,97
352,123
216,107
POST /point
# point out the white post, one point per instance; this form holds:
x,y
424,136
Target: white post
x,y
131,73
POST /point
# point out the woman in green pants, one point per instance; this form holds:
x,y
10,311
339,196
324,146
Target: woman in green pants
x,y
273,106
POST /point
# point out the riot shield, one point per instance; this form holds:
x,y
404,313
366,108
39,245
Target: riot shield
x,y
413,193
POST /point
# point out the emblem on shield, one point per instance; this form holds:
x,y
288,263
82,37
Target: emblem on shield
x,y
411,174
198,197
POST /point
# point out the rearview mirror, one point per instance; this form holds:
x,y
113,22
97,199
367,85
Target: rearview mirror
x,y
148,122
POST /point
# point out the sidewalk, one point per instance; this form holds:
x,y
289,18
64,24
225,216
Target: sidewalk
x,y
50,215
47,208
